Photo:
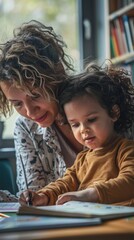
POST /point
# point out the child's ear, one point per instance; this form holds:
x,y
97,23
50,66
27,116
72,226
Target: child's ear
x,y
115,113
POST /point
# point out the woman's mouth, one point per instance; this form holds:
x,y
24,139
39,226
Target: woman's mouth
x,y
42,118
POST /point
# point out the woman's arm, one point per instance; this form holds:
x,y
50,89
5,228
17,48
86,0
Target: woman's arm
x,y
33,159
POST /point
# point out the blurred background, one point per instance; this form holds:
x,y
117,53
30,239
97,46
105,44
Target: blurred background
x,y
62,15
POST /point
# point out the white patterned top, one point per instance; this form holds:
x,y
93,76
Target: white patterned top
x,y
39,159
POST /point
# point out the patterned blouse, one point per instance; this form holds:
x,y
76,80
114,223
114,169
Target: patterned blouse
x,y
39,159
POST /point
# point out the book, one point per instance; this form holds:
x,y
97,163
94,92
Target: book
x,y
9,207
127,32
131,24
27,223
79,209
114,40
119,37
124,40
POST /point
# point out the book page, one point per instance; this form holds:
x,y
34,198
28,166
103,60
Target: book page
x,y
9,206
98,208
80,209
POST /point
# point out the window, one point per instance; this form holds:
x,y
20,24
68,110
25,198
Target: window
x,y
60,14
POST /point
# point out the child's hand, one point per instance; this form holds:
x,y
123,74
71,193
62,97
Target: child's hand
x,y
37,199
87,195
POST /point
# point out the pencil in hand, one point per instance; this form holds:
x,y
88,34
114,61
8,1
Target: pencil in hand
x,y
30,199
29,194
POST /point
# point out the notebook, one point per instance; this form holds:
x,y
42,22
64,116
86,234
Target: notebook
x,y
9,207
27,223
79,209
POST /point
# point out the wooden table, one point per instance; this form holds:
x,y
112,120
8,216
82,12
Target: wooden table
x,y
121,229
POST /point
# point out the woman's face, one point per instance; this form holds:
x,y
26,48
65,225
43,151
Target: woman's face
x,y
36,108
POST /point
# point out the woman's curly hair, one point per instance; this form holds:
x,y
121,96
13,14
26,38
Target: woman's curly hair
x,y
33,59
109,85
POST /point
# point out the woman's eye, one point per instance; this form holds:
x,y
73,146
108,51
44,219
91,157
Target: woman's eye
x,y
17,104
35,96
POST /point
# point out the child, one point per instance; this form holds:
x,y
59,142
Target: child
x,y
99,106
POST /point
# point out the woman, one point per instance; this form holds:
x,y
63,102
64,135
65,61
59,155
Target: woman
x,y
33,65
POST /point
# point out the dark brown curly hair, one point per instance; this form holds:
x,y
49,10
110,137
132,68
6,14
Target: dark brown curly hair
x,y
33,59
109,85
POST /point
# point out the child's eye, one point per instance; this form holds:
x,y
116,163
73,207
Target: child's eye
x,y
91,120
74,125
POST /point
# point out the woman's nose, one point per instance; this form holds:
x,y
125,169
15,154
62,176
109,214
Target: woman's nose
x,y
30,110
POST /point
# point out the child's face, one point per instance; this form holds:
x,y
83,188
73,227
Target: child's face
x,y
90,123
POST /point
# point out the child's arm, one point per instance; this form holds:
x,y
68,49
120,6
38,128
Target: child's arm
x,y
121,188
87,195
49,194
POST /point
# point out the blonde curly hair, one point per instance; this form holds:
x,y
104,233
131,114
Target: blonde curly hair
x,y
34,59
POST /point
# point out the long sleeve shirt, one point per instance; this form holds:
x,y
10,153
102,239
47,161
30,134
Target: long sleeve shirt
x,y
109,170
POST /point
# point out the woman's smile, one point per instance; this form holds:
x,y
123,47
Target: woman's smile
x,y
41,119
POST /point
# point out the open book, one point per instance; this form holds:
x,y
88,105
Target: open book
x,y
79,209
9,207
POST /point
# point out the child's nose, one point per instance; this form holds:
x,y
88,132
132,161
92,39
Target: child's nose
x,y
84,129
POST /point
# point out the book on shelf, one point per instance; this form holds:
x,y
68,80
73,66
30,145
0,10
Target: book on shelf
x,y
80,209
120,37
128,33
131,24
114,40
124,40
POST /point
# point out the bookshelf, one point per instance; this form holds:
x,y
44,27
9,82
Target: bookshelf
x,y
119,29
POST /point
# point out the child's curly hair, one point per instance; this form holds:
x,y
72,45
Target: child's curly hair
x,y
109,85
33,59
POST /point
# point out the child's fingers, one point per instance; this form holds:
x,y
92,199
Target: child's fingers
x,y
63,198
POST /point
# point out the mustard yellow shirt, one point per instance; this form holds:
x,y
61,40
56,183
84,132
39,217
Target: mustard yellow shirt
x,y
110,170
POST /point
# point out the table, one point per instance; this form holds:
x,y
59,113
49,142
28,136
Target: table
x,y
121,229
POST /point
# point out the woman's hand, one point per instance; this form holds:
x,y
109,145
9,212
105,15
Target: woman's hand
x,y
35,199
87,195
